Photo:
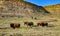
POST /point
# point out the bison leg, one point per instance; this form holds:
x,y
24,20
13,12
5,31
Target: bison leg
x,y
13,27
31,26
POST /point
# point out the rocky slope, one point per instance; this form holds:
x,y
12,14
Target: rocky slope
x,y
20,8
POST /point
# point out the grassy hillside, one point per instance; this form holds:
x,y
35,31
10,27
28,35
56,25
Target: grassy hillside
x,y
54,9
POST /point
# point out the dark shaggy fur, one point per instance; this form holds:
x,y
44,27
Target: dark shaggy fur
x,y
13,25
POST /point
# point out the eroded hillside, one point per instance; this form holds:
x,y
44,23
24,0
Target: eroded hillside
x,y
20,8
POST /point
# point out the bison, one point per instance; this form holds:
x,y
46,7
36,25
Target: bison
x,y
15,25
29,24
42,24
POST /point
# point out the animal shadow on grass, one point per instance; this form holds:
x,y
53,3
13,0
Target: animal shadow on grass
x,y
17,34
51,25
3,34
5,28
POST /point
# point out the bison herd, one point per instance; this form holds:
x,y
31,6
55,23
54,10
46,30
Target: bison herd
x,y
31,24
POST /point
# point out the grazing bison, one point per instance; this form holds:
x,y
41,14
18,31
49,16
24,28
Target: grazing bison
x,y
15,25
29,24
42,24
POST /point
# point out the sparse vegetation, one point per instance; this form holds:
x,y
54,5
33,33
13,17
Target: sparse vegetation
x,y
54,9
28,12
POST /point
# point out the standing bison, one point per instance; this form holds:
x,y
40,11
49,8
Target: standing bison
x,y
29,24
42,24
15,25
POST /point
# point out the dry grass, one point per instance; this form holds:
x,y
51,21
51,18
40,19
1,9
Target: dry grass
x,y
27,31
54,9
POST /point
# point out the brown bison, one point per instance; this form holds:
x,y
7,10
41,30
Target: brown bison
x,y
42,24
15,25
29,24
